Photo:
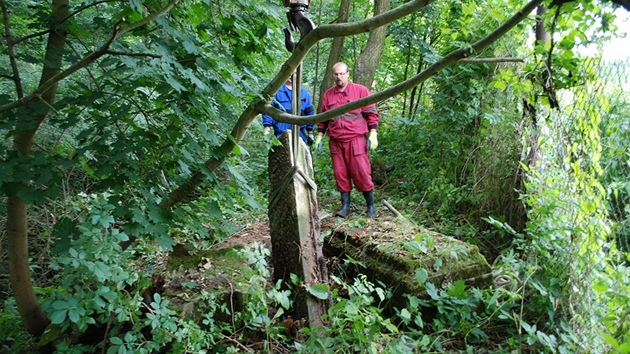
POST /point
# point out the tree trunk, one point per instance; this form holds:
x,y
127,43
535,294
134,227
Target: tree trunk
x,y
406,75
34,318
335,52
365,66
541,32
416,93
516,215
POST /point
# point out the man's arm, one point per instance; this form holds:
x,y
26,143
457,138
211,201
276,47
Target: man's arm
x,y
371,116
267,122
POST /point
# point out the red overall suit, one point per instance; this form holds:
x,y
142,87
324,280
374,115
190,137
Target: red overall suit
x,y
348,142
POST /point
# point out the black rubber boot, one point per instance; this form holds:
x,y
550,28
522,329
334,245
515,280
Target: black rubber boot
x,y
345,204
369,200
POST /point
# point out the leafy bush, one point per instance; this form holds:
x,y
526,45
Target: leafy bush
x,y
14,339
355,323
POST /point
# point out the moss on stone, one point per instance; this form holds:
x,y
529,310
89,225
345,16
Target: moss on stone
x,y
392,249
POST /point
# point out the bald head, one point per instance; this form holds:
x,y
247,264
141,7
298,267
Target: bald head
x,y
341,74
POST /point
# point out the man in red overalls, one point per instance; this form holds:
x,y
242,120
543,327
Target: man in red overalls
x,y
348,143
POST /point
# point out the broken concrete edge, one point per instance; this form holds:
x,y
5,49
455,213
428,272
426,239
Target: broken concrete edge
x,y
388,259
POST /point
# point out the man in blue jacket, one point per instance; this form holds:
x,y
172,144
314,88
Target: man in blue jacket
x,y
283,101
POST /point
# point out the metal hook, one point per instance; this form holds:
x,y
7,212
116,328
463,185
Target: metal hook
x,y
297,21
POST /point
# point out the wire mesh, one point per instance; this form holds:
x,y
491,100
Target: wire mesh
x,y
615,132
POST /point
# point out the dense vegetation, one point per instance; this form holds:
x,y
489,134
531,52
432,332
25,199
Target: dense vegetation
x,y
131,126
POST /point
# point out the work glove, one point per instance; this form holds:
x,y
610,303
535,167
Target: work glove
x,y
268,138
372,140
309,139
318,142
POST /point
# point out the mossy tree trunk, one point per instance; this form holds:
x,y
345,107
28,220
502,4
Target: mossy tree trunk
x,y
34,318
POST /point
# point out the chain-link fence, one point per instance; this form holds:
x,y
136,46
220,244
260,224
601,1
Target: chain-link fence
x,y
592,129
596,159
615,134
579,199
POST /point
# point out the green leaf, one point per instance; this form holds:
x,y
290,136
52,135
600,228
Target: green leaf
x,y
74,316
283,299
320,291
457,290
190,284
390,326
600,287
421,275
405,315
432,291
295,280
165,241
58,317
416,247
99,302
610,340
59,305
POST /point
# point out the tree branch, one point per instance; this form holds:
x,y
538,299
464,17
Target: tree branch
x,y
491,60
43,33
150,55
88,59
7,34
33,35
87,69
87,7
303,47
148,19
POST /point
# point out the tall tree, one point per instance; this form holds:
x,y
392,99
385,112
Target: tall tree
x,y
335,51
30,118
365,65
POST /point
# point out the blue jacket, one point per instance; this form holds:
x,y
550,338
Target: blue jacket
x,y
282,101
